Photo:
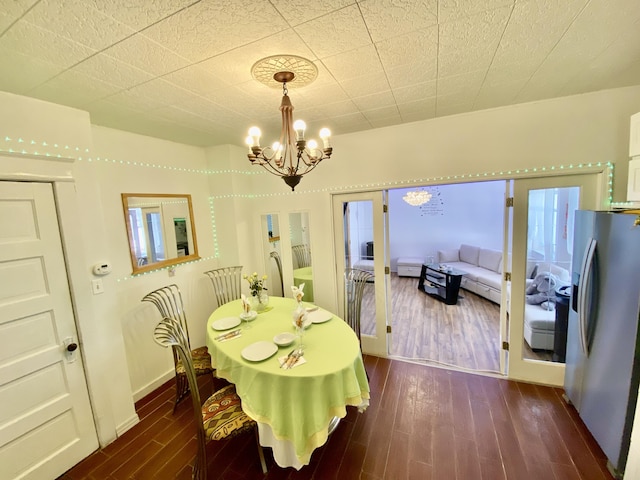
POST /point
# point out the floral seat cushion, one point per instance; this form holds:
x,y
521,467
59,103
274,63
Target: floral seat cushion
x,y
222,415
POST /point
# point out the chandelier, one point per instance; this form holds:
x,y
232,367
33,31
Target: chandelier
x,y
292,156
417,197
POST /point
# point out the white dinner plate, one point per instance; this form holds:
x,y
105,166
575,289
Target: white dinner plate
x,y
259,351
320,316
225,323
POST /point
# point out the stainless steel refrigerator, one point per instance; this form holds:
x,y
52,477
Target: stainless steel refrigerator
x,y
602,373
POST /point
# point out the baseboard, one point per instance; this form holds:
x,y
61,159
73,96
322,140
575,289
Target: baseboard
x,y
151,386
123,427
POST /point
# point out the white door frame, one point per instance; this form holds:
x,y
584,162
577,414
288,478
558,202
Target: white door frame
x,y
378,343
592,196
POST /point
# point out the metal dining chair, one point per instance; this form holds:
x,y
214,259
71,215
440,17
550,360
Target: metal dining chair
x,y
276,257
227,283
221,416
355,281
302,254
168,301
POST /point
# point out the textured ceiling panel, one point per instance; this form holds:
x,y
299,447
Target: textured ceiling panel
x,y
181,69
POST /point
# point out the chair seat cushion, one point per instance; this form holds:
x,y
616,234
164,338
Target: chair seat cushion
x,y
201,362
222,415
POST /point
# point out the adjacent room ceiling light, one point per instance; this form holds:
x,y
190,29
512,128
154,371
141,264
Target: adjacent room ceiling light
x,y
417,197
292,156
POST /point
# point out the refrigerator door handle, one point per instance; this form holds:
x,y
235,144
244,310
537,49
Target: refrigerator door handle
x,y
583,289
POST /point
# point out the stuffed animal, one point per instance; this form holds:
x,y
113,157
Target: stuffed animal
x,y
540,291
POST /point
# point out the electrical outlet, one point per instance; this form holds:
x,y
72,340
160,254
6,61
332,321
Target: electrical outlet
x,y
97,286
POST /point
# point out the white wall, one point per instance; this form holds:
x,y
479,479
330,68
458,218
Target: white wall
x,y
470,213
229,198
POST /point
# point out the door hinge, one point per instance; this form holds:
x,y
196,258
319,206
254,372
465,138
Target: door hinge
x,y
385,208
505,345
510,202
388,328
507,276
387,270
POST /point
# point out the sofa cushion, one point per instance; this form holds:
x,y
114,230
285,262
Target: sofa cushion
x,y
539,318
469,254
471,271
490,279
490,259
447,256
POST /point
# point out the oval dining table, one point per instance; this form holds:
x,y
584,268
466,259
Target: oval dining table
x,y
293,407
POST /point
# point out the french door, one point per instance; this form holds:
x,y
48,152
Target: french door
x,y
543,210
360,226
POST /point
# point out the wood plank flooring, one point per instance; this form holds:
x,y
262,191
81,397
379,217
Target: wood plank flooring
x,y
423,423
466,335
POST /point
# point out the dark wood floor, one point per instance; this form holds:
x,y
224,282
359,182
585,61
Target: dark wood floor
x,y
423,423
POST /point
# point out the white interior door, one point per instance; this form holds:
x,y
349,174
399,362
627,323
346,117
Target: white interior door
x,y
542,235
46,423
358,219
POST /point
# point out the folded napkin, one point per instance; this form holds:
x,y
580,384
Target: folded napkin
x,y
229,335
299,360
298,292
246,306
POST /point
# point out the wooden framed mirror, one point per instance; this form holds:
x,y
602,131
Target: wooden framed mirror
x,y
160,229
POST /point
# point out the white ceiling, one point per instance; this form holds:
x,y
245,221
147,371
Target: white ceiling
x,y
181,69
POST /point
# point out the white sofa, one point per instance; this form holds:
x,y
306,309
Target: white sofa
x,y
483,268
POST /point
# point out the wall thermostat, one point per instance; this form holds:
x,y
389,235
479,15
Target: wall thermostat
x,y
103,268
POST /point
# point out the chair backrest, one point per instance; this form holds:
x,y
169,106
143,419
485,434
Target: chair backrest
x,y
227,283
302,254
276,257
169,333
168,300
354,282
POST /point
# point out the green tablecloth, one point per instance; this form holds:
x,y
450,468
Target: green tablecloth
x,y
304,275
298,403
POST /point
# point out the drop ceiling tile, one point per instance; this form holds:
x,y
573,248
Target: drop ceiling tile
x,y
453,109
133,99
297,11
412,93
336,109
354,63
491,96
207,29
449,10
73,89
460,62
366,85
418,46
115,72
78,21
160,89
196,80
44,45
380,113
339,31
374,101
206,109
389,18
235,65
25,72
477,32
543,86
138,15
418,116
316,95
425,107
385,121
464,97
351,120
12,11
145,54
534,28
509,72
412,74
470,81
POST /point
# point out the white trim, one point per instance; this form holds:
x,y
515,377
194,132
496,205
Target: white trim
x,y
152,385
124,426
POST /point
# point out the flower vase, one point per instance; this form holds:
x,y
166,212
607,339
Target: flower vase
x,y
259,302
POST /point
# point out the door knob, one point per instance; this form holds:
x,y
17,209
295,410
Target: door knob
x,y
71,347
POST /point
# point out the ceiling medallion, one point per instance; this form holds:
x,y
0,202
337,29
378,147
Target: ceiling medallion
x,y
292,156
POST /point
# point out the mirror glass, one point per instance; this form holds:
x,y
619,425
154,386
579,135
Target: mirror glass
x,y
301,252
273,259
160,229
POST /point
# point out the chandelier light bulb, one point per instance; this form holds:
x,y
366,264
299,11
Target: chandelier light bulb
x,y
255,133
249,142
325,133
299,126
277,148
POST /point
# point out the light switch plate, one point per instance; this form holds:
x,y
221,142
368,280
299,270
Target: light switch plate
x,y
97,286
